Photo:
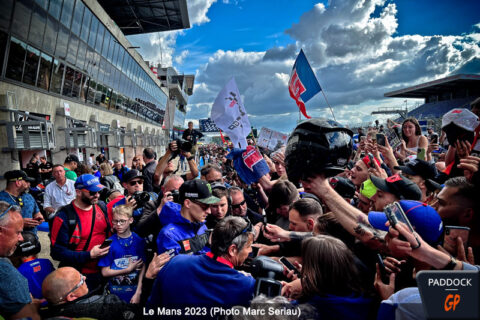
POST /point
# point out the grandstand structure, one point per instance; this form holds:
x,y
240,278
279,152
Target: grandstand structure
x,y
441,95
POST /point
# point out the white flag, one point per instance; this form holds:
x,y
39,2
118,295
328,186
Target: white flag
x,y
229,114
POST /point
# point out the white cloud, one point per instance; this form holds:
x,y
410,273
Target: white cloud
x,y
357,57
181,57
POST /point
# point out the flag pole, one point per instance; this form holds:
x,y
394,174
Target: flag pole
x,y
323,91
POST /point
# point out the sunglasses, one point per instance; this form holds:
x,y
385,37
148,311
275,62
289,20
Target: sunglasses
x,y
238,205
132,183
201,205
78,285
8,209
92,193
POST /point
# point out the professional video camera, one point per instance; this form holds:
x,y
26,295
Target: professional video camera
x,y
141,197
182,145
265,270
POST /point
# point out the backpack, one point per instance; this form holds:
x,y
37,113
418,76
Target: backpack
x,y
114,183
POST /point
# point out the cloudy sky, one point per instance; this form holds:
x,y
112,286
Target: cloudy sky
x,y
359,50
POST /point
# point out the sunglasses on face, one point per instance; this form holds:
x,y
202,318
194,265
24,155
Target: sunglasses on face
x,y
201,205
132,183
238,205
92,193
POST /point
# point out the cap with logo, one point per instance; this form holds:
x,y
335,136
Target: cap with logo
x,y
419,167
197,190
72,158
88,182
343,186
132,174
15,175
424,219
398,185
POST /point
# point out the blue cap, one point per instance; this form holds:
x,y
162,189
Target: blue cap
x,y
88,182
424,219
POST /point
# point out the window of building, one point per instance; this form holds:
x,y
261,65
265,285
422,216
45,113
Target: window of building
x,y
72,49
42,3
106,43
67,9
62,42
31,66
82,51
21,18
51,32
55,8
92,89
37,27
120,58
16,59
77,18
68,82
44,71
84,89
77,84
3,46
93,32
101,70
89,62
87,17
100,33
57,76
6,14
111,49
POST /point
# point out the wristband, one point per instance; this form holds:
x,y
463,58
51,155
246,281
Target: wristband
x,y
451,264
190,158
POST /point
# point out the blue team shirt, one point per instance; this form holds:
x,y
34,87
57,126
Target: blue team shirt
x,y
121,250
35,271
26,202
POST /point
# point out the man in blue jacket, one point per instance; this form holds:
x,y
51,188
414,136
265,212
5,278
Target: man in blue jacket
x,y
184,225
210,279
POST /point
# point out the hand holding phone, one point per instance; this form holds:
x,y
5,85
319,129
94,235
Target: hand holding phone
x,y
289,266
383,271
106,243
450,238
395,215
380,139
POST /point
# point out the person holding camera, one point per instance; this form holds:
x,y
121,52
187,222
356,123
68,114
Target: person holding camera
x,y
191,135
209,279
166,166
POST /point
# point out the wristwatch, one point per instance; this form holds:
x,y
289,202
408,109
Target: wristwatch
x,y
190,158
451,264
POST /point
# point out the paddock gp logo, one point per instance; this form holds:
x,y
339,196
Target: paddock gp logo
x,y
449,294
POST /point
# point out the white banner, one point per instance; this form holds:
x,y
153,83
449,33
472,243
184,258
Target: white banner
x,y
229,114
271,139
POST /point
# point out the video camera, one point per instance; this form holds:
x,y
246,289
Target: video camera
x,y
265,270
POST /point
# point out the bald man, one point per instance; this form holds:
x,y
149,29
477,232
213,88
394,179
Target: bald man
x,y
67,294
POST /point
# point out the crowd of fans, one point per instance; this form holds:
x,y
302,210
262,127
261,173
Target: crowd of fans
x,y
162,235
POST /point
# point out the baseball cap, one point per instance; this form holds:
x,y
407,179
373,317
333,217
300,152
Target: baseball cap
x,y
132,174
398,185
72,158
15,175
89,182
461,117
368,189
424,219
419,167
198,190
343,186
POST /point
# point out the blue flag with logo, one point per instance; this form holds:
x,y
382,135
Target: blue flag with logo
x,y
303,84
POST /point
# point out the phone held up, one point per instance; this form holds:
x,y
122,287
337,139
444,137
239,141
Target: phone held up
x,y
450,238
395,215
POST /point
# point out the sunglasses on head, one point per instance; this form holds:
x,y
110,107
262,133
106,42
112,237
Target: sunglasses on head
x,y
132,183
238,205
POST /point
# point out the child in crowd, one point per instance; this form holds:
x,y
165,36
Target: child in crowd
x,y
35,270
124,262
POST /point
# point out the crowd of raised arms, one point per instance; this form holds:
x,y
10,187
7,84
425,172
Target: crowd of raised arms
x,y
334,225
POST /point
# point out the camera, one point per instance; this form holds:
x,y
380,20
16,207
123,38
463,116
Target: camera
x,y
265,270
176,196
182,145
141,197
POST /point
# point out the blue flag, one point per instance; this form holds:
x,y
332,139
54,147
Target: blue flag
x,y
303,84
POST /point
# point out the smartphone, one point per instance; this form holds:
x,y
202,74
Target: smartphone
x,y
106,243
254,252
395,214
451,235
289,266
383,271
434,139
380,139
371,161
421,153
